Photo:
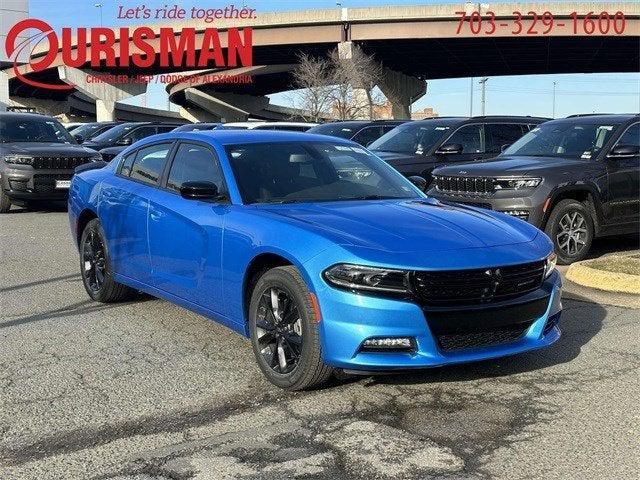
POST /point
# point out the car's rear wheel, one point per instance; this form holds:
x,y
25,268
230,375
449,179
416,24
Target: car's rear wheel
x,y
95,266
5,202
571,230
284,331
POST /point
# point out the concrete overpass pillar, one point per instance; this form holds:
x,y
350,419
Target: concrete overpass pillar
x,y
95,86
195,114
401,90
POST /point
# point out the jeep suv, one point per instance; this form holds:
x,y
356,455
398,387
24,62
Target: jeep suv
x,y
576,178
116,139
416,148
364,132
37,159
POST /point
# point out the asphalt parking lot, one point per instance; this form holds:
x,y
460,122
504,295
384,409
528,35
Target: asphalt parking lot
x,y
146,389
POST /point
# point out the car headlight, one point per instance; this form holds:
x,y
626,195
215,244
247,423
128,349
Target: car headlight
x,y
516,183
550,264
19,159
373,279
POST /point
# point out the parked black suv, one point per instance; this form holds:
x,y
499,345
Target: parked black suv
x,y
575,178
116,139
416,148
363,132
37,159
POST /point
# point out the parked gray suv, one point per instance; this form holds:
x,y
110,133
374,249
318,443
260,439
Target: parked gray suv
x,y
37,159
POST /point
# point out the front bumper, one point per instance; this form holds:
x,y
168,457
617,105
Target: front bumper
x,y
528,208
349,319
28,184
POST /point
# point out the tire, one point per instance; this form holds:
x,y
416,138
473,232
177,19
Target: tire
x,y
95,266
570,227
287,338
5,202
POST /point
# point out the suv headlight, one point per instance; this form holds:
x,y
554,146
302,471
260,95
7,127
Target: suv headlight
x,y
550,264
516,183
19,159
373,279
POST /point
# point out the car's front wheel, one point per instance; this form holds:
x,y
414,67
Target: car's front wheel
x,y
571,229
95,266
284,331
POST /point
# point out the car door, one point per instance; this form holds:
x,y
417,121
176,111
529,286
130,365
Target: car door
x,y
185,235
500,135
623,178
124,208
471,138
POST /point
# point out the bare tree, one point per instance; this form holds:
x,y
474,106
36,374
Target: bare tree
x,y
313,76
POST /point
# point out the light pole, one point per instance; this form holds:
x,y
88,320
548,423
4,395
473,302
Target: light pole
x,y
483,82
99,7
554,100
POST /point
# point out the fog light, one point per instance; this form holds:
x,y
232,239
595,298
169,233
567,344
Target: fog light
x,y
398,343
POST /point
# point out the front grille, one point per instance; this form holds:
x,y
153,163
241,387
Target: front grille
x,y
476,286
58,163
47,183
464,184
491,338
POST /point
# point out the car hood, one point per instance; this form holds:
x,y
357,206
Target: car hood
x,y
408,225
394,158
46,149
510,166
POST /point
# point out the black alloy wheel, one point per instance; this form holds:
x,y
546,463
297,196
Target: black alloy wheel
x,y
95,266
279,330
285,330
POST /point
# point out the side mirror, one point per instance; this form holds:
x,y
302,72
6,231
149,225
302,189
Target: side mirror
x,y
449,149
419,182
199,190
78,138
504,147
624,151
124,142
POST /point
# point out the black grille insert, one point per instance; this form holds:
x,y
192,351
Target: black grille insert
x,y
47,183
58,163
464,184
476,286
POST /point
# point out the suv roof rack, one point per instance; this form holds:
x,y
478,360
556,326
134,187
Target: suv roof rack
x,y
598,114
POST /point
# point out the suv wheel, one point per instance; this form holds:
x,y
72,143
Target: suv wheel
x,y
5,202
284,331
95,266
571,229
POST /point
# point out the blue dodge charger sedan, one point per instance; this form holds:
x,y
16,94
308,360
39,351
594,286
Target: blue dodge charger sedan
x,y
315,249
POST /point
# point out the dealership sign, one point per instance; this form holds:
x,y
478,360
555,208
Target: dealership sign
x,y
166,47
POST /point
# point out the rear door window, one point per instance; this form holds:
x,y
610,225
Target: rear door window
x,y
501,134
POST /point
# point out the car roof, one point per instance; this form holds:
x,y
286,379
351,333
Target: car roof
x,y
25,116
595,118
233,137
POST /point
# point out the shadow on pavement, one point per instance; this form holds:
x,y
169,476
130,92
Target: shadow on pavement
x,y
607,245
581,321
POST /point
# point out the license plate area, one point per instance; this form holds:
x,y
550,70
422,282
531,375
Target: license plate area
x,y
63,184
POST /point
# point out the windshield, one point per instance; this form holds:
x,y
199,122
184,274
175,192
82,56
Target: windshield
x,y
114,133
336,130
313,172
89,130
33,130
412,138
582,140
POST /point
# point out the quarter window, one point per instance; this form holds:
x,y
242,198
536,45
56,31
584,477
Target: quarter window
x,y
149,162
125,167
194,163
631,137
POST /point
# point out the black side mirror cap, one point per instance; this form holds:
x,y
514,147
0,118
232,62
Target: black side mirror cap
x,y
504,147
419,182
199,191
624,151
450,149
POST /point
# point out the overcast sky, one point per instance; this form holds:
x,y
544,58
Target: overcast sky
x,y
518,95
